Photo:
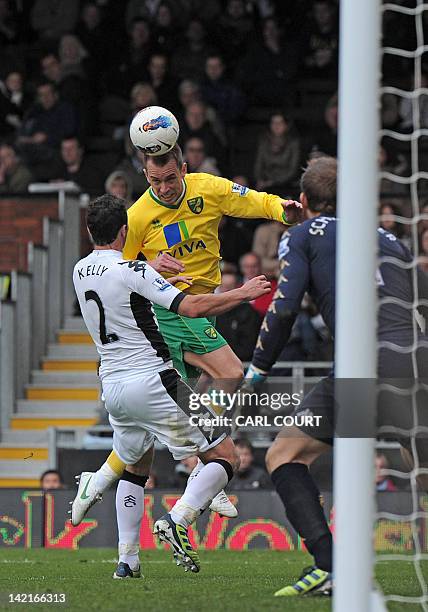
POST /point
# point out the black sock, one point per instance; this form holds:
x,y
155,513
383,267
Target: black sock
x,y
301,500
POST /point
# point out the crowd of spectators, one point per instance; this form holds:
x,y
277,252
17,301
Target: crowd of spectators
x,y
253,84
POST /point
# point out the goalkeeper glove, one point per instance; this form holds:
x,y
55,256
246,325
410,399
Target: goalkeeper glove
x,y
254,376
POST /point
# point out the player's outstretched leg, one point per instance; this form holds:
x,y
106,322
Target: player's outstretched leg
x,y
220,464
287,461
93,484
221,503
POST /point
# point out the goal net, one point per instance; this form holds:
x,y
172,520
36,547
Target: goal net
x,y
403,167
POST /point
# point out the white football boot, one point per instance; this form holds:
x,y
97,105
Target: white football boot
x,y
223,506
86,497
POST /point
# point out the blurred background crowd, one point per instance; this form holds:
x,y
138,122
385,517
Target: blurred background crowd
x,y
253,84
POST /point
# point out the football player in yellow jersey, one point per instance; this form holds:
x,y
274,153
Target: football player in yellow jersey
x,y
174,225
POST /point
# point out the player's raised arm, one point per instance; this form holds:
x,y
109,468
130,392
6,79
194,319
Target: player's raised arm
x,y
216,304
142,279
278,322
240,201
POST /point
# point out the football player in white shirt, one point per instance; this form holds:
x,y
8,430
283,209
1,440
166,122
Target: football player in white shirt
x,y
144,395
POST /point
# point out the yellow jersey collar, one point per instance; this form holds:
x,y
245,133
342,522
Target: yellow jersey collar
x,y
176,204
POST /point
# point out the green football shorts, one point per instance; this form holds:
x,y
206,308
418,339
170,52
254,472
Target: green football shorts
x,y
185,334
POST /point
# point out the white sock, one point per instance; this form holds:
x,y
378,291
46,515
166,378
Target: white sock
x,y
199,493
103,479
198,467
129,512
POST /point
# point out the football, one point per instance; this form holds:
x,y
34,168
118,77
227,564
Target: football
x,y
154,130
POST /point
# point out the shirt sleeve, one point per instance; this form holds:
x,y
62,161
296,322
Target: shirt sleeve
x,y
134,238
285,306
238,201
144,280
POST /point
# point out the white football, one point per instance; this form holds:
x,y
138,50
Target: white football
x,y
154,130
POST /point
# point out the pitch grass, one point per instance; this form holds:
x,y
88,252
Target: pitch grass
x,y
229,581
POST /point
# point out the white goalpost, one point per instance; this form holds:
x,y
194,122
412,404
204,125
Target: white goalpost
x,y
355,357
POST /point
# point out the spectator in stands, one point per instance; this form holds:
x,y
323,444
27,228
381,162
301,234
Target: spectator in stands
x,y
234,30
45,124
278,156
14,175
196,124
76,167
188,60
321,55
14,101
387,212
119,185
166,29
423,250
326,140
248,476
218,91
50,480
250,265
196,159
142,95
73,87
383,482
92,33
268,71
128,65
163,84
72,55
190,92
240,326
50,19
132,166
265,245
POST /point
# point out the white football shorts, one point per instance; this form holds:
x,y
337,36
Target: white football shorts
x,y
156,406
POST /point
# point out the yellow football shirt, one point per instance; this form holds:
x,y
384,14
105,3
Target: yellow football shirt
x,y
188,229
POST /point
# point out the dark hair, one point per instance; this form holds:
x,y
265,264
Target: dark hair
x,y
47,472
45,82
244,443
398,229
318,183
73,137
104,217
161,160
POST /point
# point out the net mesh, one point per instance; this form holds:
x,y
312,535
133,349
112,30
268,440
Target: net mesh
x,y
404,199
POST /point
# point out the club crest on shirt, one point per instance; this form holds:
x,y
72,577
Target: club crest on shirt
x,y
196,205
210,332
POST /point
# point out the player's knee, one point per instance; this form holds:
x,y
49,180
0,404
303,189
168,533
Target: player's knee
x,y
285,453
137,469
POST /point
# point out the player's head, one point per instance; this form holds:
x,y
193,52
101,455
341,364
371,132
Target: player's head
x,y
165,173
107,221
318,186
